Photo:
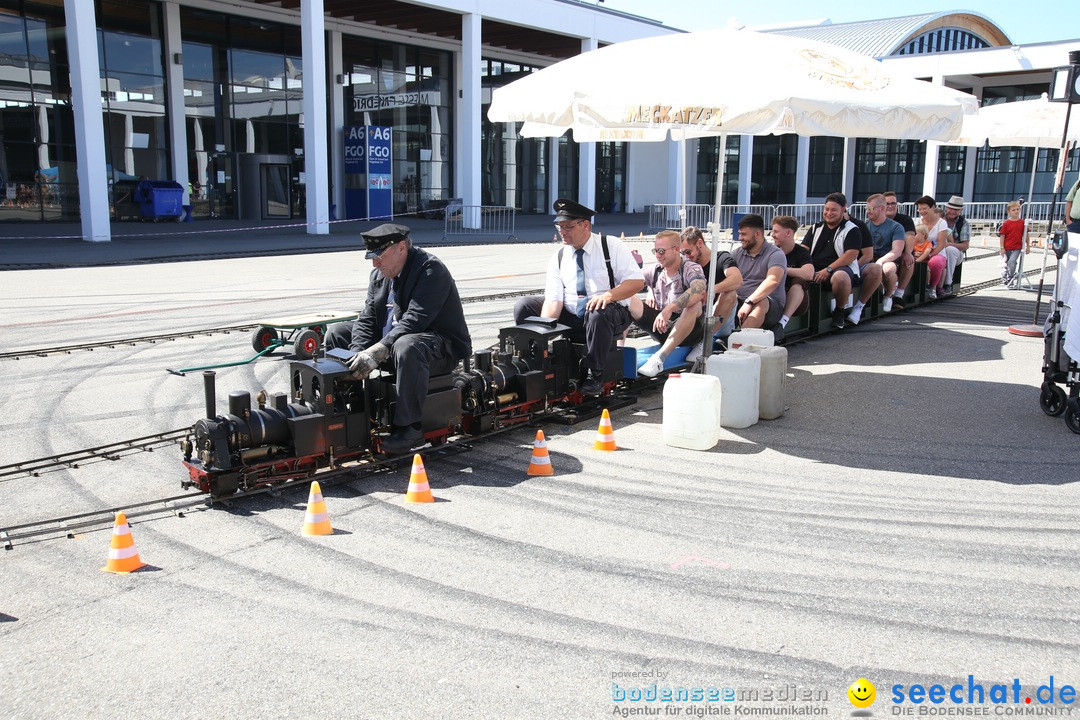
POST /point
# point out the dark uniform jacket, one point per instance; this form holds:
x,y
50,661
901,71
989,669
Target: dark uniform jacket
x,y
425,300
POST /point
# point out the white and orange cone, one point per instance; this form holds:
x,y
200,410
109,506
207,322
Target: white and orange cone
x,y
605,436
123,557
540,463
316,519
419,489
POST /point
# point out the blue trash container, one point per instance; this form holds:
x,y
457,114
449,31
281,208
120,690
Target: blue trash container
x,y
160,199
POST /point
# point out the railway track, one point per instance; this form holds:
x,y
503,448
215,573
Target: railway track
x,y
69,525
203,332
71,460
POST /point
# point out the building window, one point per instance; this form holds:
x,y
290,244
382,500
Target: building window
x,y
515,168
131,61
825,169
882,165
706,170
942,40
774,168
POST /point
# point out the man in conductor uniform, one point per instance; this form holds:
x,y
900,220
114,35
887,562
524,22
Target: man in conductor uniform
x,y
588,289
412,322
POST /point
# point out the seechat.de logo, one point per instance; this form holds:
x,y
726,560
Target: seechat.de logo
x,y
862,693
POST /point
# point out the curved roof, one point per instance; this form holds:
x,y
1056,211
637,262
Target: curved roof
x,y
881,38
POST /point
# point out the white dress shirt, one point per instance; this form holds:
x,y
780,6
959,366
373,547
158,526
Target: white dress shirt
x,y
562,278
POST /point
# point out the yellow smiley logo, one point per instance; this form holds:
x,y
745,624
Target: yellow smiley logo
x,y
862,693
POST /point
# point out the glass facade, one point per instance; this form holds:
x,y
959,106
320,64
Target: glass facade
x,y
38,179
243,92
133,97
243,81
1005,173
408,89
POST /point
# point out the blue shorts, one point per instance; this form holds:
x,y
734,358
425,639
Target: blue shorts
x,y
856,280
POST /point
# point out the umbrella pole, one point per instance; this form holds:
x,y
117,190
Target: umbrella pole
x,y
683,181
707,338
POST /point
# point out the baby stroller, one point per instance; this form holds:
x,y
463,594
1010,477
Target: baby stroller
x,y
1058,367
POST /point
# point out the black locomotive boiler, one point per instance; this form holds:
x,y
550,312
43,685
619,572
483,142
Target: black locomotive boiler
x,y
326,417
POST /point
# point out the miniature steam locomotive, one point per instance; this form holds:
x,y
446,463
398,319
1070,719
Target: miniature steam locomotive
x,y
327,418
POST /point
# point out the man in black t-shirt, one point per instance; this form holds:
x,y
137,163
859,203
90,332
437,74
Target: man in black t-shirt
x,y
726,282
800,268
834,245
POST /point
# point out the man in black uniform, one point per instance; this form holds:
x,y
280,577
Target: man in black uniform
x,y
412,322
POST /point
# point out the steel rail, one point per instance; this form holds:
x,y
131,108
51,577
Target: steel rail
x,y
161,337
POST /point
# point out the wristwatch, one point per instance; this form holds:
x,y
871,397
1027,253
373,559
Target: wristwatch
x,y
829,269
748,302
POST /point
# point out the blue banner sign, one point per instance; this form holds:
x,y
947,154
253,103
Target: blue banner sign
x,y
369,179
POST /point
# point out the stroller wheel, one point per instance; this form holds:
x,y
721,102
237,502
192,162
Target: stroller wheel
x,y
1072,419
1052,400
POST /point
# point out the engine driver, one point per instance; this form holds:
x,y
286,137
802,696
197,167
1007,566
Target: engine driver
x,y
412,322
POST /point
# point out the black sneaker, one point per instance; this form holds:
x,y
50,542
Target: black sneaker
x,y
592,385
947,290
838,319
898,303
401,440
778,334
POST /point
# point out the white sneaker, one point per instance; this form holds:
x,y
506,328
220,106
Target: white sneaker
x,y
886,306
855,316
652,366
696,352
932,294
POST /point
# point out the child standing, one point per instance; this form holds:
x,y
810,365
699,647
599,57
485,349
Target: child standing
x,y
1013,238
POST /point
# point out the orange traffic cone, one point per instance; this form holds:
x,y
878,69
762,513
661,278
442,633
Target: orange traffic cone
x,y
540,463
419,490
123,557
605,436
316,519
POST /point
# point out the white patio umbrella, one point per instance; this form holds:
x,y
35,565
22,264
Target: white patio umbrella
x,y
727,81
1025,123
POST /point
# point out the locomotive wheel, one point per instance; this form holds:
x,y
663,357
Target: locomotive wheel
x,y
1052,400
263,337
1072,419
306,344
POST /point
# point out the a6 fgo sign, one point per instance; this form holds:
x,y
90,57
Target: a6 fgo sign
x,y
367,149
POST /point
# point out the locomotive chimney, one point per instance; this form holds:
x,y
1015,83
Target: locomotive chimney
x,y
210,391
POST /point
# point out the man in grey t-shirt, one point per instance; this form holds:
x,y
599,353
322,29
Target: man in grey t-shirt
x,y
763,267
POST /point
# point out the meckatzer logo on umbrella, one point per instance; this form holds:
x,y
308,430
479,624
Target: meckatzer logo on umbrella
x,y
834,70
671,114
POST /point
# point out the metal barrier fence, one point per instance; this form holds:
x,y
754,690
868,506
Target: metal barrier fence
x,y
474,220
